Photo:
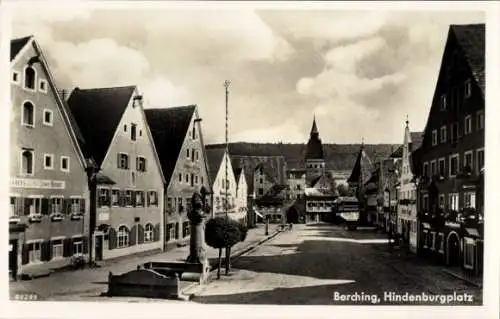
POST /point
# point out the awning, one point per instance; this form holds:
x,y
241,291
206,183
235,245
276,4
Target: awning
x,y
257,213
472,232
426,225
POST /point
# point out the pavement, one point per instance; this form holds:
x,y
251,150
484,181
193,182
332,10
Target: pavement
x,y
88,284
327,265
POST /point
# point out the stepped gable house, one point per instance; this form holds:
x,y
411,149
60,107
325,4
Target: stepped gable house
x,y
451,158
178,139
130,188
48,185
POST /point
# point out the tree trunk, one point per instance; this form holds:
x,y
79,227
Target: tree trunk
x,y
220,263
228,259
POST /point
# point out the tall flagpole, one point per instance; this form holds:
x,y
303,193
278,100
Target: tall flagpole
x,y
227,83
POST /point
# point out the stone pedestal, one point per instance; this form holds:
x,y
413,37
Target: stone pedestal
x,y
197,250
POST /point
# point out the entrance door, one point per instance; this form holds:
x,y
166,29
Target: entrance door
x,y
13,256
98,248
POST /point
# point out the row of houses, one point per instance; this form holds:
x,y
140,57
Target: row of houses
x,y
94,173
431,189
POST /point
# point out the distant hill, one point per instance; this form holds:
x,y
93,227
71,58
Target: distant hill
x,y
339,157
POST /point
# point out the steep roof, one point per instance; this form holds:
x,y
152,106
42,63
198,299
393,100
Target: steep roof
x,y
214,159
98,112
274,167
471,39
416,140
237,173
362,168
169,127
314,148
16,45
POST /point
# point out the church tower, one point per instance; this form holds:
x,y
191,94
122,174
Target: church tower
x,y
315,159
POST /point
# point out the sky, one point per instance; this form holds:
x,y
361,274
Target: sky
x,y
360,73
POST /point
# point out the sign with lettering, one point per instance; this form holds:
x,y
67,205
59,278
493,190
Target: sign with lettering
x,y
37,183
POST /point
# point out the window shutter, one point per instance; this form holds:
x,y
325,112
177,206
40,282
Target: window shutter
x,y
45,206
25,258
45,253
156,232
167,232
176,230
137,163
85,244
27,205
118,160
133,236
67,247
140,229
128,162
134,197
148,195
19,206
112,238
145,164
99,202
109,197
67,205
82,205
121,198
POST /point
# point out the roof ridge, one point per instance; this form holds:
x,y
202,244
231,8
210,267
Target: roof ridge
x,y
169,108
105,88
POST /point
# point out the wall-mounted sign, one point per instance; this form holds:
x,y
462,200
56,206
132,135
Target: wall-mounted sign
x,y
36,183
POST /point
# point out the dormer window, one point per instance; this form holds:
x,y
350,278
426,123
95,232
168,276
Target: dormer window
x,y
30,78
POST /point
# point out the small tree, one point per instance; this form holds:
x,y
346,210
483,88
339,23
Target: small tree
x,y
343,190
221,232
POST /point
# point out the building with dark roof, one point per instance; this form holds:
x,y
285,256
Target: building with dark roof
x,y
129,214
178,137
314,157
48,185
451,158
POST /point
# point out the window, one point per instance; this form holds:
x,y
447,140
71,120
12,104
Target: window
x,y
480,120
434,137
128,198
261,191
48,161
480,159
15,77
169,203
152,198
29,78
115,197
425,202
122,161
261,181
441,201
140,132
443,102
468,124
42,86
27,165
192,155
197,157
454,162
469,247
442,167
202,179
443,134
77,246
139,198
441,242
148,233
125,128
187,153
187,178
470,199
467,88
180,177
133,131
33,205
103,197
123,237
425,169
56,205
75,205
48,117
57,249
433,167
196,179
453,201
179,203
65,163
468,159
28,114
194,132
141,164
35,251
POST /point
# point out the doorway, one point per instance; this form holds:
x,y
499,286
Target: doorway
x,y
98,247
13,257
292,216
453,249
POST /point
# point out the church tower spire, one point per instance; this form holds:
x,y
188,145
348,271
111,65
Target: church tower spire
x,y
315,159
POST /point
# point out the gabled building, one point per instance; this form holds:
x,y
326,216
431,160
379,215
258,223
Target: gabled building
x,y
129,213
223,184
360,175
178,138
48,210
407,191
241,194
451,158
321,190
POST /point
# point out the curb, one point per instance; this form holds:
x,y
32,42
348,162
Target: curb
x,y
453,274
189,296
